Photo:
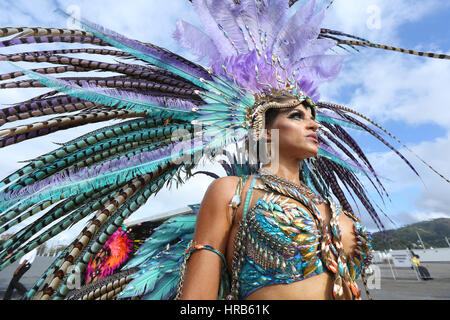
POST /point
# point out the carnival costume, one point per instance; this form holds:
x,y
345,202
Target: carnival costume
x,y
254,50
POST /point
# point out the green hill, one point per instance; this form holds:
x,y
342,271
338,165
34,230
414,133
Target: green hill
x,y
432,233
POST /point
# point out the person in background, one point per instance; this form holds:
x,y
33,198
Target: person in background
x,y
424,274
24,266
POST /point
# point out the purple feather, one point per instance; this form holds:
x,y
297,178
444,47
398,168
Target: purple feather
x,y
312,48
172,103
292,26
227,20
245,15
196,41
210,25
320,68
293,42
271,16
349,162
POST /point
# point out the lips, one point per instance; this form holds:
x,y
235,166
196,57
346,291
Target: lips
x,y
314,137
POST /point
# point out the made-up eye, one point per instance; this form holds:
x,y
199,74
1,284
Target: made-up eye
x,y
297,115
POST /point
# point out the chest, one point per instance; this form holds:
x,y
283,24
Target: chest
x,y
294,223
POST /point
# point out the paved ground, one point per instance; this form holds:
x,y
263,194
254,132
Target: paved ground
x,y
38,267
404,287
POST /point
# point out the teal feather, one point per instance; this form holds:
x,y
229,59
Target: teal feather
x,y
32,291
158,278
98,152
18,210
82,144
317,181
159,272
152,279
121,175
232,94
343,123
220,116
246,99
306,175
177,227
213,107
98,181
138,287
165,288
31,230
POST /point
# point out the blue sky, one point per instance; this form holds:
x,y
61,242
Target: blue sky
x,y
408,95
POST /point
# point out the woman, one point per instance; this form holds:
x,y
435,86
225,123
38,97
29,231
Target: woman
x,y
219,225
258,56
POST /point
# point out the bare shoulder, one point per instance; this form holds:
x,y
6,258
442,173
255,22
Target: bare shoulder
x,y
219,194
215,214
222,187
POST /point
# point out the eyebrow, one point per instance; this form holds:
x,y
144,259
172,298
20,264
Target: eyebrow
x,y
301,112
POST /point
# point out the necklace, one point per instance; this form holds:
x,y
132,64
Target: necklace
x,y
275,182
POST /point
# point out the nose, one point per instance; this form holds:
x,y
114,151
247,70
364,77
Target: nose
x,y
313,125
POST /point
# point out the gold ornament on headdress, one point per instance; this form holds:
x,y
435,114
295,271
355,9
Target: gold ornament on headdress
x,y
255,118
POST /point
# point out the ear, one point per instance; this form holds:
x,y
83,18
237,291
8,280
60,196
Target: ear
x,y
268,134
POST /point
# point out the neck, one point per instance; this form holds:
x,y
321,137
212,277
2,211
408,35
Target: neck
x,y
288,170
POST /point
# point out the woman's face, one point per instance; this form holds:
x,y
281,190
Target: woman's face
x,y
297,137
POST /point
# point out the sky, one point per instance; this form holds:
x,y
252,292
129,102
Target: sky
x,y
408,95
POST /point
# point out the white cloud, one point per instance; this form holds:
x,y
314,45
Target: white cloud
x,y
392,86
377,20
397,87
423,216
421,198
404,218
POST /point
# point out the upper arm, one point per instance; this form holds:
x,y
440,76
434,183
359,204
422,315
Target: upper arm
x,y
212,228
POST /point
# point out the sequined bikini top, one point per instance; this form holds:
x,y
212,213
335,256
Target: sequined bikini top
x,y
281,242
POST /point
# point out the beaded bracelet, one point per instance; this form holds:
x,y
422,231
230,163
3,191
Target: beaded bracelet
x,y
193,246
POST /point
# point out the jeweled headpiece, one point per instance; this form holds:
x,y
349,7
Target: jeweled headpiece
x,y
256,116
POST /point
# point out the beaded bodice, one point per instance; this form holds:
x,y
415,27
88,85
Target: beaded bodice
x,y
281,241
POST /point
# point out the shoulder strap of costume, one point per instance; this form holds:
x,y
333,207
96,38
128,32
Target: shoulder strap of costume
x,y
236,200
249,193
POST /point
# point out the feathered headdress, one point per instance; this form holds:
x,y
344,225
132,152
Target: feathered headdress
x,y
253,49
